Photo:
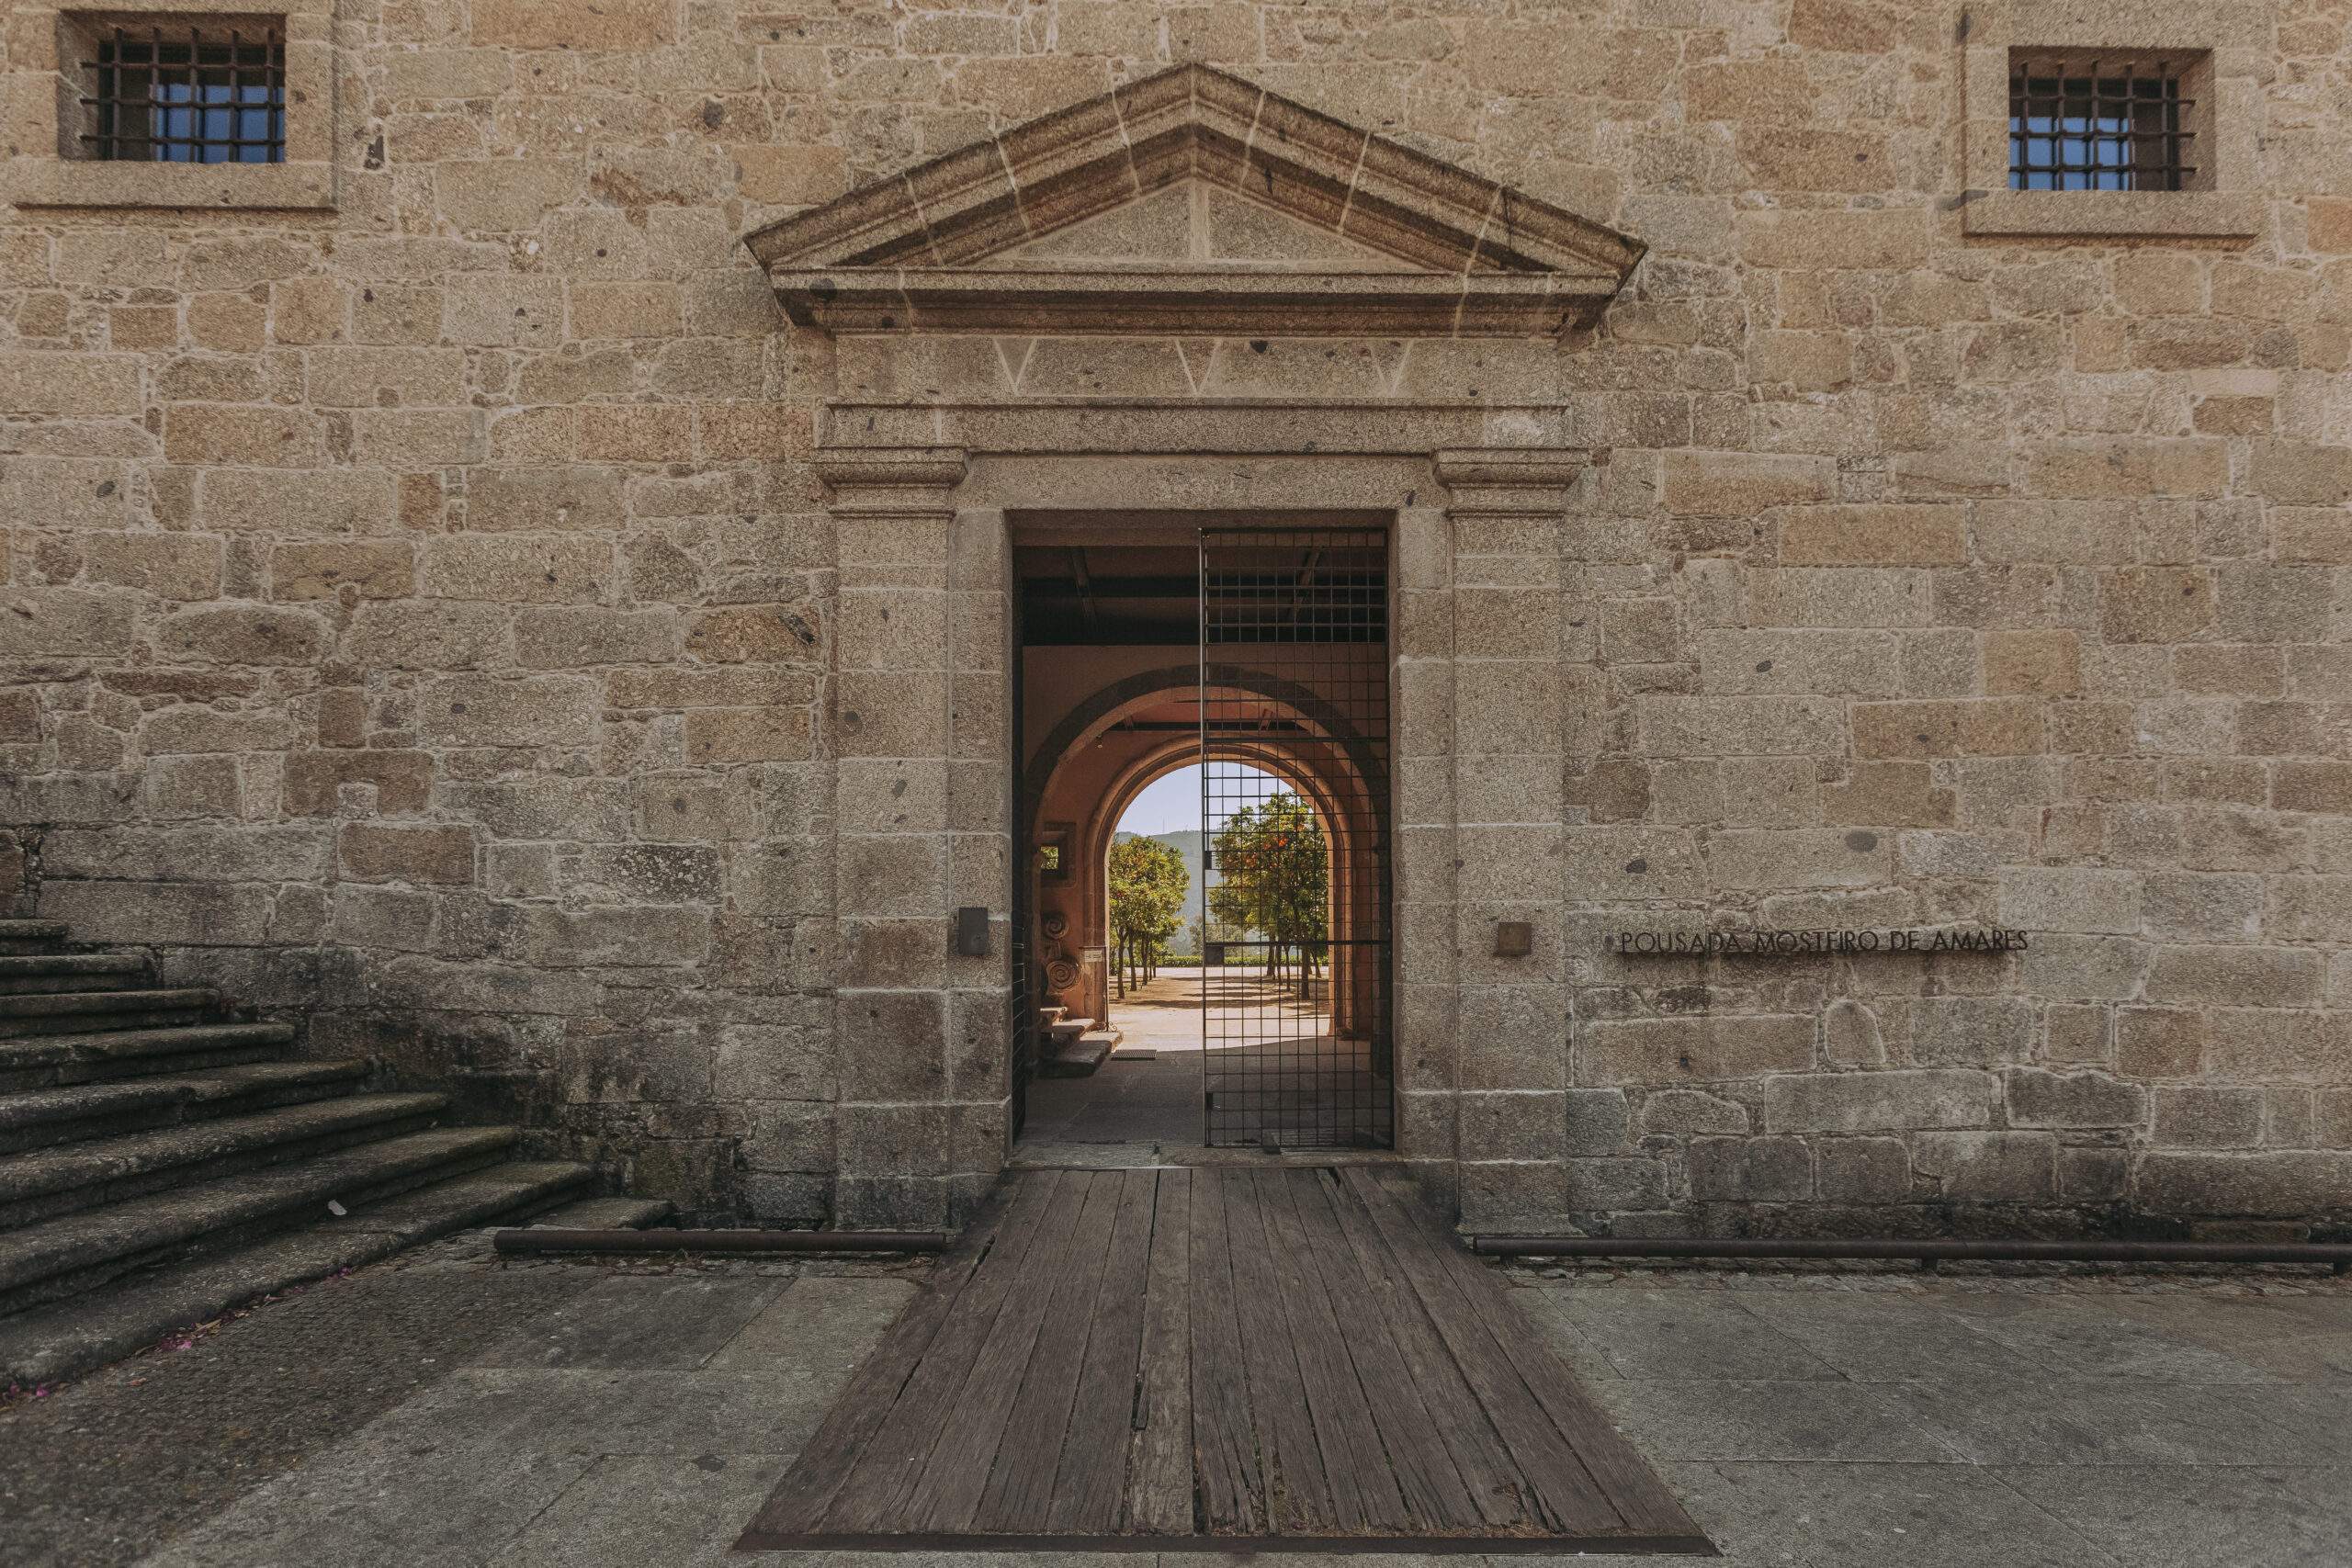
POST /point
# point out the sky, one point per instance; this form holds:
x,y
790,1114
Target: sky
x,y
1168,804
1172,804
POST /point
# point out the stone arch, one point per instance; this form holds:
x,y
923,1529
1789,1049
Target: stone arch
x,y
1345,783
1098,711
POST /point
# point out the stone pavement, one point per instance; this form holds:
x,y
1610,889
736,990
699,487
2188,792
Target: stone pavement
x,y
443,1409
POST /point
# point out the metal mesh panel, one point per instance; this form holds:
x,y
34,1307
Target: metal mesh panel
x,y
194,97
2099,125
1296,1028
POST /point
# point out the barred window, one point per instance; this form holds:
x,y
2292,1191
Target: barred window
x,y
2099,125
213,94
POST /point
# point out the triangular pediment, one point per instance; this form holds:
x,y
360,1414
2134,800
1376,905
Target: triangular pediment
x,y
1192,201
1193,224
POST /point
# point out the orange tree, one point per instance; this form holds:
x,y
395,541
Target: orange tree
x,y
1148,884
1274,868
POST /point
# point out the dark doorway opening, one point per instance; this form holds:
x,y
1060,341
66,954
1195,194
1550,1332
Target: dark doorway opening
x,y
1240,665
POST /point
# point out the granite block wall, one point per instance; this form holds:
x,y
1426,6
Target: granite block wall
x,y
420,606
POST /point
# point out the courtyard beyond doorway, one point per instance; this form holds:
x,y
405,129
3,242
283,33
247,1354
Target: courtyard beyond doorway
x,y
1143,1105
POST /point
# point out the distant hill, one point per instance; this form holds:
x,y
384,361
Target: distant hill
x,y
1186,844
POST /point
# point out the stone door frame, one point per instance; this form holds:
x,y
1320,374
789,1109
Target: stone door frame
x,y
924,806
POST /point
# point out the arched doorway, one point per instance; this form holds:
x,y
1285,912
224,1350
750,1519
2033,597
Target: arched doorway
x,y
1279,712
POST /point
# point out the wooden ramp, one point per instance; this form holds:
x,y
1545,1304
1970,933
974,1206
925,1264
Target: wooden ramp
x,y
1256,1360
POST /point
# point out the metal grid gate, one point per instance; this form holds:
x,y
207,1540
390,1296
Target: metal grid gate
x,y
1297,1042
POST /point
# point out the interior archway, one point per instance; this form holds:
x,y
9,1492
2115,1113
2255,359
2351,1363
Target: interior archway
x,y
1114,743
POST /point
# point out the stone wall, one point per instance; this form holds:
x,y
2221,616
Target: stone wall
x,y
425,611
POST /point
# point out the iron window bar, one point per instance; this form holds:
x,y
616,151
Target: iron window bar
x,y
216,96
2099,125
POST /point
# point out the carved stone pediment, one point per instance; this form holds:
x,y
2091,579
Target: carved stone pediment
x,y
1192,202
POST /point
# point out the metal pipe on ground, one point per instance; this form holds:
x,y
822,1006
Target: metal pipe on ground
x,y
2336,1254
554,1240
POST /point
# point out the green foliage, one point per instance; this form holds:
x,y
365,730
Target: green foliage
x,y
1147,886
1275,867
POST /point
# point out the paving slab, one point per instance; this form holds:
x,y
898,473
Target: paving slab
x,y
650,1321
444,1502
1807,1419
817,1330
1682,1334
627,1511
2104,1421
2318,1415
2185,1517
1889,1337
961,1560
2297,1338
1416,1560
605,1410
1565,1333
2089,1337
1877,1516
111,1465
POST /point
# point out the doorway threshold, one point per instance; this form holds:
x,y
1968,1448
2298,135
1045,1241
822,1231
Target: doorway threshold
x,y
1043,1155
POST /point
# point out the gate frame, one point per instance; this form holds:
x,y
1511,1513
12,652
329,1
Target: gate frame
x,y
1367,758
923,665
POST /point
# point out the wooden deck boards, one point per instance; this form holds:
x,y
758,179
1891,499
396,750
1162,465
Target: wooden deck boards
x,y
1257,1357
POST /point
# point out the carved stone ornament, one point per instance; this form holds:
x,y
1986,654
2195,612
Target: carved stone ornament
x,y
1192,202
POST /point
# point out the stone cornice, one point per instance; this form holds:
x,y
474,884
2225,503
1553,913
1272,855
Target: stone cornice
x,y
1510,480
1192,300
913,252
908,480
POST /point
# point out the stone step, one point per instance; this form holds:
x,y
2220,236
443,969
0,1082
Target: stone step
x,y
30,936
608,1215
1067,1029
44,1118
1052,1015
23,974
1081,1054
74,1252
47,1343
40,1061
50,1182
72,1011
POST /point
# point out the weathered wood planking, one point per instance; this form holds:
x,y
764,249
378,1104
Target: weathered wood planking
x,y
1267,1357
1224,1432
1634,1489
1090,1481
1428,1483
1495,1484
1569,1499
933,1413
1159,1473
1021,1481
1364,1494
1298,1496
841,1442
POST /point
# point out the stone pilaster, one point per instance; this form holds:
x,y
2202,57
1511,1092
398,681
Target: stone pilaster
x,y
1422,819
1508,513
979,848
894,649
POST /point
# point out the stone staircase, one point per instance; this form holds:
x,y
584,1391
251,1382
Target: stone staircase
x,y
1073,1047
161,1163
